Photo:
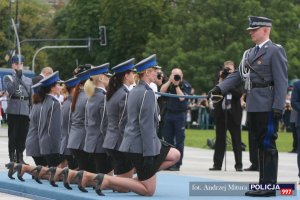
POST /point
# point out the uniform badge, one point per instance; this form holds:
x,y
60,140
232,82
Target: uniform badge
x,y
258,62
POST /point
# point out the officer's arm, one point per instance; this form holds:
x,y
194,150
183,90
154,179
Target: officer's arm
x,y
147,125
231,81
280,79
9,84
296,96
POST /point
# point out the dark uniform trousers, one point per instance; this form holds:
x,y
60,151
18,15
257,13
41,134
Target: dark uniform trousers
x,y
17,132
174,131
253,147
263,127
220,145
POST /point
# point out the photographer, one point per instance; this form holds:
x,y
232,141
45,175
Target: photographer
x,y
174,119
228,115
159,81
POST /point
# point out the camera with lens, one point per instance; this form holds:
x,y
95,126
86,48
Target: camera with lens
x,y
159,76
177,77
225,72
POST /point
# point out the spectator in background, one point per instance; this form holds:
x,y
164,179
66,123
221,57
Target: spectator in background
x,y
228,115
160,80
203,118
46,71
295,101
3,101
175,117
293,120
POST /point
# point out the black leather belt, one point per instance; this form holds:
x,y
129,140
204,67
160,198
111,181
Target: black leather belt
x,y
20,98
262,85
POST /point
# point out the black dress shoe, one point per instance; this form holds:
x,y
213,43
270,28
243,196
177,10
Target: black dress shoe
x,y
11,171
36,173
174,168
239,169
99,179
78,178
52,171
215,169
261,193
251,168
18,169
65,174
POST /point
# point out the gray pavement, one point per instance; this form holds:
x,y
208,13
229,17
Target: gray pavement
x,y
195,163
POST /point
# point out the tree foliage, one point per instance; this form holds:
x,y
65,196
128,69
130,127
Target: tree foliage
x,y
195,35
34,17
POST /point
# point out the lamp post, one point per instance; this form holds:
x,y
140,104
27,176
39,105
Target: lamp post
x,y
55,47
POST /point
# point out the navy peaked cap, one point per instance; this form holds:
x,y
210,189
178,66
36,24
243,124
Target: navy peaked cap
x,y
102,69
36,88
256,22
72,82
147,63
16,58
124,66
49,80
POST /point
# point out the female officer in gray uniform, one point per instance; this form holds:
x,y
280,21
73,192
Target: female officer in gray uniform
x,y
77,132
32,137
140,140
117,97
66,123
96,117
50,119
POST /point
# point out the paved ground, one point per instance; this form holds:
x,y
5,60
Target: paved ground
x,y
196,163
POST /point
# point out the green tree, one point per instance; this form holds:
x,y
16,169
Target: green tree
x,y
128,23
34,17
201,35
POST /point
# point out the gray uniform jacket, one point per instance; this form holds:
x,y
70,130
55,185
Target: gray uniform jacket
x,y
96,122
50,129
16,104
140,131
78,123
32,139
271,63
117,118
65,126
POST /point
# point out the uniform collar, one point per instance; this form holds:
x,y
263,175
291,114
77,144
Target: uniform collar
x,y
263,43
102,88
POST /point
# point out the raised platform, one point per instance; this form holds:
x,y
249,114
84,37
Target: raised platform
x,y
169,186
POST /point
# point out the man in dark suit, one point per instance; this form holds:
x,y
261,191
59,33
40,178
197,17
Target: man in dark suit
x,y
46,71
264,71
295,101
228,116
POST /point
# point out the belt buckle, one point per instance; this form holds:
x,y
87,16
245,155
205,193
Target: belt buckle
x,y
22,98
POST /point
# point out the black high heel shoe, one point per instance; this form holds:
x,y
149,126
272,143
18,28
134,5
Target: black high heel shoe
x,y
65,173
18,169
36,174
10,167
78,179
52,171
99,179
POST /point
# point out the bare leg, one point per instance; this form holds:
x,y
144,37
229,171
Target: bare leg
x,y
144,188
172,158
128,174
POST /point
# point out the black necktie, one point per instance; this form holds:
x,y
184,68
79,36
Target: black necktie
x,y
256,50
